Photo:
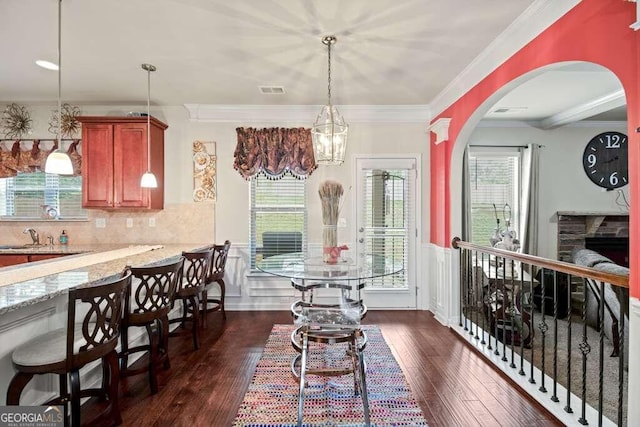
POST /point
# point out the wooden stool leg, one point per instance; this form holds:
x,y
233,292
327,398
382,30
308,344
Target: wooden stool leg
x,y
17,384
164,340
75,397
153,358
204,308
112,388
195,320
124,348
222,292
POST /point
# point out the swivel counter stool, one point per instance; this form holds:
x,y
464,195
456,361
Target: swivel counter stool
x,y
216,275
190,287
148,306
93,325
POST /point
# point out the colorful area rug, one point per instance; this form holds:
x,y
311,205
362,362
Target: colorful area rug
x,y
272,397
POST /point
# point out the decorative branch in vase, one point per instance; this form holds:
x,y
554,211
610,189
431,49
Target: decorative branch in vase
x,y
330,193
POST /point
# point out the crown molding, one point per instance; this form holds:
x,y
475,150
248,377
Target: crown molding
x,y
595,124
588,109
533,21
307,113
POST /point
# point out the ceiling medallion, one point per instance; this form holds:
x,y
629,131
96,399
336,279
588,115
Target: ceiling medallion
x,y
16,121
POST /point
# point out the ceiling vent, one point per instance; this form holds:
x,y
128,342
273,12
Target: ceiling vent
x,y
509,109
271,90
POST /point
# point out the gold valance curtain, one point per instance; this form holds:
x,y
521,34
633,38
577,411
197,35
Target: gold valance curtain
x,y
27,156
274,152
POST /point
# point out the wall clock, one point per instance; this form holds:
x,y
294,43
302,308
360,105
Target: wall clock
x,y
605,160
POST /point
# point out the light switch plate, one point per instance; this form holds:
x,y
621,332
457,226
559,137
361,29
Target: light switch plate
x,y
152,221
101,222
129,222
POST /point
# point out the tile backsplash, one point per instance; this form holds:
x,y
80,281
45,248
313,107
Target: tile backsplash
x,y
176,223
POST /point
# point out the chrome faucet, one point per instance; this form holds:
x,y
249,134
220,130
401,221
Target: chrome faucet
x,y
35,238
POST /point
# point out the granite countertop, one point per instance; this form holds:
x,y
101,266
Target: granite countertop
x,y
27,293
53,249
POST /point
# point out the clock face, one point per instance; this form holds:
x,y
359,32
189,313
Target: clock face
x,y
605,160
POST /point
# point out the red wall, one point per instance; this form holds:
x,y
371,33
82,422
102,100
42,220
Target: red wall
x,y
594,31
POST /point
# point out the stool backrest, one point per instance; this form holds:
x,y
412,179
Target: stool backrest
x,y
220,253
93,322
196,268
153,291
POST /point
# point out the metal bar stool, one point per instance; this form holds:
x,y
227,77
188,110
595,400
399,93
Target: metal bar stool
x,y
216,275
93,325
190,287
148,306
334,322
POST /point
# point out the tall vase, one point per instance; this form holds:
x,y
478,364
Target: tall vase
x,y
330,250
330,193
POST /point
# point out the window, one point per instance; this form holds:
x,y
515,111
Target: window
x,y
278,217
494,187
32,195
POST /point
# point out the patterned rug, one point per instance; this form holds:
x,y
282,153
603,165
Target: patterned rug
x,y
272,397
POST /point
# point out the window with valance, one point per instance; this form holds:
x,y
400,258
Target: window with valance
x,y
277,161
26,192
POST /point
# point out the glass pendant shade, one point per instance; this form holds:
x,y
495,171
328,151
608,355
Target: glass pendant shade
x,y
148,180
329,136
58,162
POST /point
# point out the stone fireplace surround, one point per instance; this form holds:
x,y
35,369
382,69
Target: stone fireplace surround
x,y
574,227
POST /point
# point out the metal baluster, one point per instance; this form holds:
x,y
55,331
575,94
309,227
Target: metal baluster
x,y
472,291
585,348
504,310
460,314
601,356
522,314
621,366
532,380
482,304
463,263
543,329
495,317
568,408
477,292
513,311
554,398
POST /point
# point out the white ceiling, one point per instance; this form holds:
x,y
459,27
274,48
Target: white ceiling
x,y
389,52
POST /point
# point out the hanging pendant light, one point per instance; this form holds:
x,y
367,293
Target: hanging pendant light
x,y
148,179
329,132
58,161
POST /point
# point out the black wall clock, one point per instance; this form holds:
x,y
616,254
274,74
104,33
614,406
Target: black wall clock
x,y
605,160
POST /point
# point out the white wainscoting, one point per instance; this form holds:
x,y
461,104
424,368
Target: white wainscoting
x,y
633,416
442,280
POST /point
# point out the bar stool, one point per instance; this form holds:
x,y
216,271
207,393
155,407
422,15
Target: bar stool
x,y
148,306
216,275
190,288
94,315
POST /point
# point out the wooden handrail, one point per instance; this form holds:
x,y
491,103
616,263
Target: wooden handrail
x,y
560,266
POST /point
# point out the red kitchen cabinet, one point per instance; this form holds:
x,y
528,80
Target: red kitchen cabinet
x,y
114,157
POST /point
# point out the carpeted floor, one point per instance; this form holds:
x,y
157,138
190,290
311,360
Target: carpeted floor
x,y
272,397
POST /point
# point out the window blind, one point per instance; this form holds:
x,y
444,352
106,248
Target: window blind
x,y
387,224
494,180
29,195
278,217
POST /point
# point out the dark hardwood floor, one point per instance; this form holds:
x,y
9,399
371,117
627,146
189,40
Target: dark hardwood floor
x,y
454,386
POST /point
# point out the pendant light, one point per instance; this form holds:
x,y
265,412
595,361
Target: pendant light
x,y
148,179
58,161
329,132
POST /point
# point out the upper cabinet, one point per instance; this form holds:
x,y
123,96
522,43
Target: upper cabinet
x,y
114,157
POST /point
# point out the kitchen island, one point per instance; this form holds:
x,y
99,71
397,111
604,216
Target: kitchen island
x,y
32,307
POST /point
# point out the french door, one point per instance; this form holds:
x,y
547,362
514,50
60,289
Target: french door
x,y
386,232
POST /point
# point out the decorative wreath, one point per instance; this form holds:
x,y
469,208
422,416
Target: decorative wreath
x,y
16,121
70,124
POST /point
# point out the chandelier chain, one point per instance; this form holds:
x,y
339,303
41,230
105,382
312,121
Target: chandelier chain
x,y
329,74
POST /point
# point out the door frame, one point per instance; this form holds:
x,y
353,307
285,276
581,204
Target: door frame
x,y
415,258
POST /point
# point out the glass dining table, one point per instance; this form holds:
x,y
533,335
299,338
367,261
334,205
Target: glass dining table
x,y
328,312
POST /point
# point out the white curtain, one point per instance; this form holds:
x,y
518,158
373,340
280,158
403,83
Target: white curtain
x,y
529,201
466,198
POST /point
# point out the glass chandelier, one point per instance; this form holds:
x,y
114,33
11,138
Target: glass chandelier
x,y
329,132
148,179
58,161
